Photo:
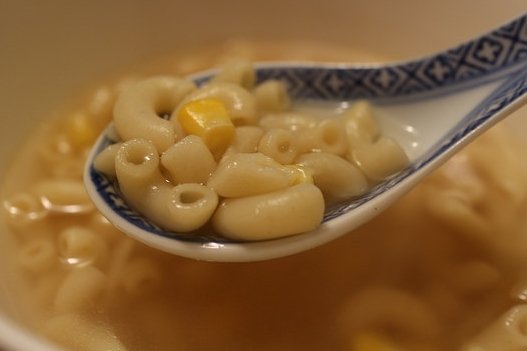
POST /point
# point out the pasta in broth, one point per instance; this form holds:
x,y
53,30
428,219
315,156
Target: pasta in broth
x,y
278,187
441,270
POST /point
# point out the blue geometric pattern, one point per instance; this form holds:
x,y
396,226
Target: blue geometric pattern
x,y
501,53
485,57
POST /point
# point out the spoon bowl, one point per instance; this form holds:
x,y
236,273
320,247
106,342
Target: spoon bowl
x,y
442,101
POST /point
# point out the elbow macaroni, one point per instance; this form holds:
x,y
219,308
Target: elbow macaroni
x,y
280,145
80,289
191,147
328,136
236,154
105,161
360,124
337,178
81,245
380,159
139,108
271,96
184,207
248,174
237,72
246,140
258,218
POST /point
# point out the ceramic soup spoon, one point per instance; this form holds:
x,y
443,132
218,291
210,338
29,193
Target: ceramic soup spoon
x,y
432,106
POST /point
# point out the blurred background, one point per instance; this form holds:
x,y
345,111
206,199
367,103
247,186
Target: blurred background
x,y
50,50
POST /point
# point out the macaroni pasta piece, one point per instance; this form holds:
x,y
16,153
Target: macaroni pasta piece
x,y
137,169
280,145
384,306
80,130
271,96
360,125
294,121
63,196
189,148
80,244
184,207
24,209
261,217
80,290
139,108
191,206
237,72
337,178
105,161
55,149
453,209
179,208
247,174
380,159
328,136
246,139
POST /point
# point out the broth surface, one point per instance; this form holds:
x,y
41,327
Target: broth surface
x,y
434,272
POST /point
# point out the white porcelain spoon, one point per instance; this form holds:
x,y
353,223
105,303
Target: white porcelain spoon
x,y
434,105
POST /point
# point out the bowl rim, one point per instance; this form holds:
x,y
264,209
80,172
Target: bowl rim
x,y
15,336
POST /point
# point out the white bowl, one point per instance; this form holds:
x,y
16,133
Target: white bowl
x,y
50,50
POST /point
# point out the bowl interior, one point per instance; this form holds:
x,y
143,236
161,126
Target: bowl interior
x,y
52,51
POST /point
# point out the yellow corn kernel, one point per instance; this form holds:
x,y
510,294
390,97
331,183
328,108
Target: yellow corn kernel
x,y
372,342
208,119
80,130
299,174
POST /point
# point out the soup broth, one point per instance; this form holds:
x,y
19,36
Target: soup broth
x,y
440,270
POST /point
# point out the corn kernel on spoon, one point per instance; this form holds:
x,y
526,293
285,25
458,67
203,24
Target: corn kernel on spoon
x,y
439,104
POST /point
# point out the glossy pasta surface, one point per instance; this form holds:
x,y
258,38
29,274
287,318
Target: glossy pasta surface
x,y
234,143
444,269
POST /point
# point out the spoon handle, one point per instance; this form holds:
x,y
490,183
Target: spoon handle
x,y
487,57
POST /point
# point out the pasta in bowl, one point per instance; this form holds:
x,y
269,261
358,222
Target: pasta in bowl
x,y
443,269
235,157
